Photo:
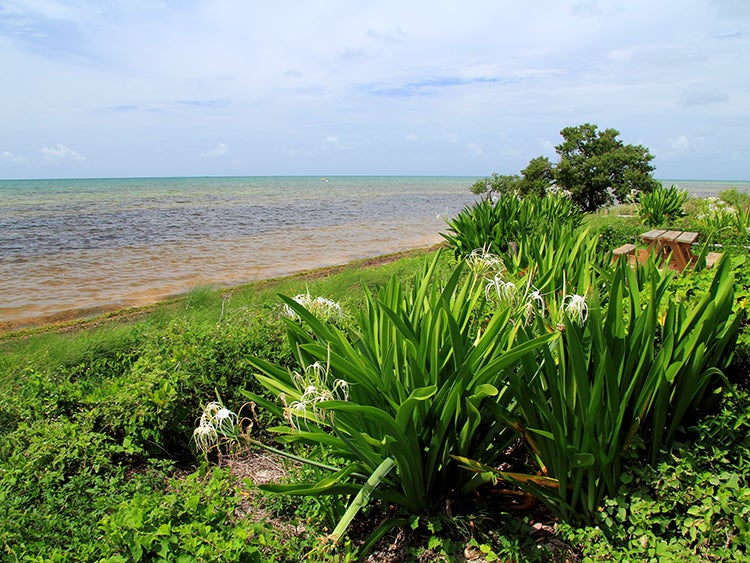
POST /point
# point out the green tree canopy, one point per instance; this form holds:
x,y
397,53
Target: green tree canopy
x,y
596,167
497,183
536,177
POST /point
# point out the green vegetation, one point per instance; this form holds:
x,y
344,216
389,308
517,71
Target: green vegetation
x,y
662,205
499,227
412,384
516,397
595,168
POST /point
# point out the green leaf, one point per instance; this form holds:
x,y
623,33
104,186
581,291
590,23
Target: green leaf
x,y
361,498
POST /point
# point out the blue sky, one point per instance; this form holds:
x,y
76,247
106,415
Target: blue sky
x,y
327,87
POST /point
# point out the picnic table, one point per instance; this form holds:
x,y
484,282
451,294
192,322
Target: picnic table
x,y
678,243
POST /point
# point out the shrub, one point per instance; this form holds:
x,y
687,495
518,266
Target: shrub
x,y
153,403
735,198
500,227
618,232
723,223
56,478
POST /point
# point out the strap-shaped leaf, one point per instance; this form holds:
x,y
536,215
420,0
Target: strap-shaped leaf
x,y
361,498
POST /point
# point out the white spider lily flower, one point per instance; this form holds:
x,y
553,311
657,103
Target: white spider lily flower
x,y
296,411
215,420
576,308
205,437
534,305
317,369
314,387
225,421
323,308
505,292
482,262
209,412
327,308
343,387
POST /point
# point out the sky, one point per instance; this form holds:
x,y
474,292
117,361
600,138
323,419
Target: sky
x,y
124,88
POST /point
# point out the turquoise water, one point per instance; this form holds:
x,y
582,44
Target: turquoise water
x,y
707,188
72,246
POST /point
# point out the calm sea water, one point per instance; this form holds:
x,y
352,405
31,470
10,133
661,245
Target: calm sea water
x,y
68,247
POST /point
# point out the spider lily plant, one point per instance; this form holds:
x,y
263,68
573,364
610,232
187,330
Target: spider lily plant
x,y
425,366
634,362
501,226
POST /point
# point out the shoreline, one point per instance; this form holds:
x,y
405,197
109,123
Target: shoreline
x,y
72,319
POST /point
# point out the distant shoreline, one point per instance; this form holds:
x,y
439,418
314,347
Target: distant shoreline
x,y
323,176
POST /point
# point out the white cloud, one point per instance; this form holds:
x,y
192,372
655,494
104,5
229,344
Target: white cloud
x,y
219,150
683,146
163,72
476,149
10,157
681,143
61,153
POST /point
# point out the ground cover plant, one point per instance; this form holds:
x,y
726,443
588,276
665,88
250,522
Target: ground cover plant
x,y
98,460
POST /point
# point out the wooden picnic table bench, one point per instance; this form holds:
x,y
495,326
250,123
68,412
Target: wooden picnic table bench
x,y
678,243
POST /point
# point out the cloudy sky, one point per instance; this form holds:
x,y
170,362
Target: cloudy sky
x,y
325,87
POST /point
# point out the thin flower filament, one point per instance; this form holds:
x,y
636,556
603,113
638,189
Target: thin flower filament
x,y
576,309
506,293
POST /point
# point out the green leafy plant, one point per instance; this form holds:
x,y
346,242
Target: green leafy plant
x,y
717,218
694,503
735,198
662,205
411,385
57,477
629,362
499,227
194,521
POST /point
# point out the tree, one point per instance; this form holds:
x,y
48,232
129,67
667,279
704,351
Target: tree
x,y
497,183
596,167
537,177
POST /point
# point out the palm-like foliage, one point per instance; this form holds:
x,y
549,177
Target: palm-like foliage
x,y
584,361
500,227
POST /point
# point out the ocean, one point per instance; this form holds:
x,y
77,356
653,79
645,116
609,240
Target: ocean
x,y
75,247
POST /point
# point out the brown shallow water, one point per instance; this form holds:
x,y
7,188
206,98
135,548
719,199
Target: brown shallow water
x,y
78,283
